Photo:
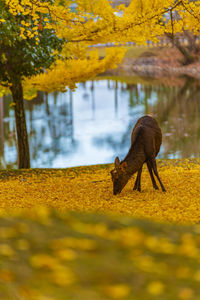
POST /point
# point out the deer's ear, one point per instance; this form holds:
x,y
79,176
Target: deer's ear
x,y
117,162
124,165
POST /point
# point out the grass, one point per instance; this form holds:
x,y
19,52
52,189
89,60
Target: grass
x,y
137,51
132,51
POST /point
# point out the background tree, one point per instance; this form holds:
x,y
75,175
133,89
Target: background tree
x,y
32,36
44,44
23,54
186,41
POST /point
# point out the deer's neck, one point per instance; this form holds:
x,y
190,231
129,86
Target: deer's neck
x,y
134,159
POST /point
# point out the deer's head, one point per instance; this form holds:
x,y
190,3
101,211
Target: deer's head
x,y
119,176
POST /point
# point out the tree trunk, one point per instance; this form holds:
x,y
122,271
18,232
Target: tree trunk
x,y
2,136
20,119
188,56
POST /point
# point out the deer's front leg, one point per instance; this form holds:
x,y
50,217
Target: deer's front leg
x,y
137,185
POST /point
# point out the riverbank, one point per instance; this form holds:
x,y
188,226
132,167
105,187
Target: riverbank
x,y
157,63
89,189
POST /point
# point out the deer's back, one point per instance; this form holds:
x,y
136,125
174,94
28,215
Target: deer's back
x,y
147,133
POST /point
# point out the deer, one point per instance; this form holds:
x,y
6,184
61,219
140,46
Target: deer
x,y
146,139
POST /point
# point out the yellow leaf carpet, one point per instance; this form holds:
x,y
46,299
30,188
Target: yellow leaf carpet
x,y
90,189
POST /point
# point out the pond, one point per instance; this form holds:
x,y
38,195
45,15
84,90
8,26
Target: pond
x,y
93,124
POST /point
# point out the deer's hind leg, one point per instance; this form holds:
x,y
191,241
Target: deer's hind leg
x,y
154,166
137,185
151,175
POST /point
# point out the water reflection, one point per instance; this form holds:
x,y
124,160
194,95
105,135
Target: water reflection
x,y
94,123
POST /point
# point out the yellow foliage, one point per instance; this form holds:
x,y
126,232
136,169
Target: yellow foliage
x,y
185,294
22,244
6,250
119,291
94,22
63,276
66,73
6,275
96,19
43,260
3,91
155,288
66,254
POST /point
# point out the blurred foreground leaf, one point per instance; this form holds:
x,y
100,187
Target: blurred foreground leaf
x,y
51,255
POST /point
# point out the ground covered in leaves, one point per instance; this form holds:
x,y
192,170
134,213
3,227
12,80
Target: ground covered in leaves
x,y
50,255
90,189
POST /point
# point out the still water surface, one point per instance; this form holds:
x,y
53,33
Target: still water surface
x,y
93,124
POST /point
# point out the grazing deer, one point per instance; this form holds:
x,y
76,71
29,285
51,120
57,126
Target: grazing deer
x,y
146,139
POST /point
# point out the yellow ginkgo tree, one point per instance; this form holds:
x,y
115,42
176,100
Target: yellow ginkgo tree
x,y
42,37
44,43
